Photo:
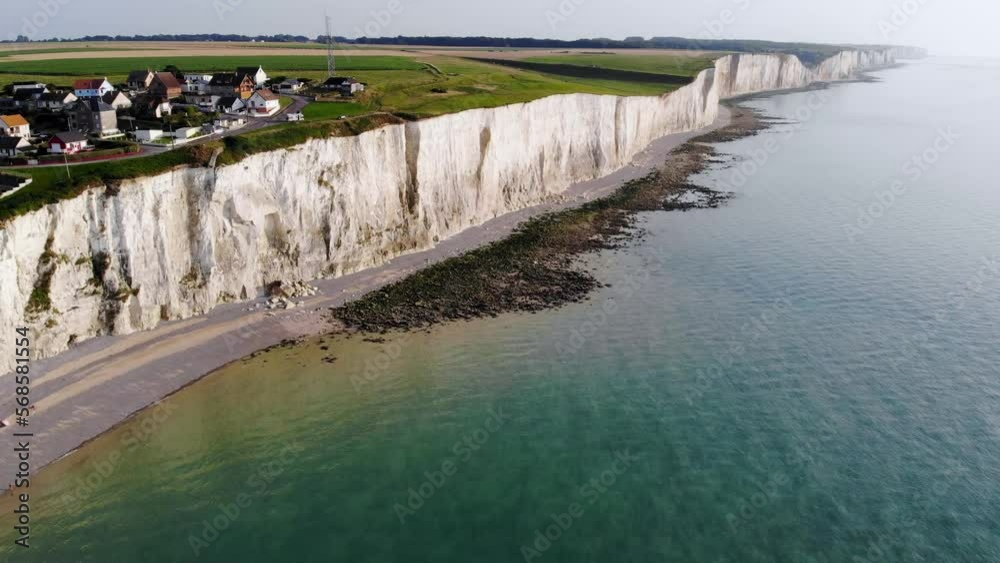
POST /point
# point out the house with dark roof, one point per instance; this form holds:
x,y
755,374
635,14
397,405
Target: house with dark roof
x,y
117,99
27,98
12,146
257,74
346,85
291,86
231,84
56,101
165,85
67,142
91,115
231,104
92,87
148,106
139,80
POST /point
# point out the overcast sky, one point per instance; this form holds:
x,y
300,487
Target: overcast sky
x,y
962,27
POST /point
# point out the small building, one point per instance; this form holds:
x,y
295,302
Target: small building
x,y
117,99
93,116
257,74
291,86
92,87
139,80
14,126
148,106
264,103
56,101
346,85
28,86
230,84
69,142
230,122
231,104
12,146
165,85
185,132
296,116
148,135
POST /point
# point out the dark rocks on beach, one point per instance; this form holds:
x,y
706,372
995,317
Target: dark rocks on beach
x,y
536,268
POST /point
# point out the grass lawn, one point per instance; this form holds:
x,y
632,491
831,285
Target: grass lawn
x,y
333,110
659,64
272,63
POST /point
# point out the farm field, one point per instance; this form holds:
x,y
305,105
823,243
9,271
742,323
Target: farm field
x,y
657,64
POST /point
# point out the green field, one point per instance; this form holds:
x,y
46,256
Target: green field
x,y
7,52
659,64
272,63
333,110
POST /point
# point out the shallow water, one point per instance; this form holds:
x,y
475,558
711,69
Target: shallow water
x,y
783,388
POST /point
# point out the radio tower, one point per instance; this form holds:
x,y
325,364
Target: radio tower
x,y
331,59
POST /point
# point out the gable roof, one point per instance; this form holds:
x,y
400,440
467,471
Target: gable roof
x,y
12,142
267,95
167,79
94,105
110,97
89,83
139,75
69,137
230,79
340,81
15,120
56,96
229,101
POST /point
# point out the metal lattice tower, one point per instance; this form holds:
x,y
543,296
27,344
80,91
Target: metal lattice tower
x,y
331,59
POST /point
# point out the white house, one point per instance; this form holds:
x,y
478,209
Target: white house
x,y
11,146
14,126
196,83
117,100
92,87
69,142
231,104
257,74
264,103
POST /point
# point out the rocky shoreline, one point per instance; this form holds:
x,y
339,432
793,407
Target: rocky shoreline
x,y
535,268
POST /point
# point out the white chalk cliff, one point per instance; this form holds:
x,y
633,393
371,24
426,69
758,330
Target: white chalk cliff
x,y
178,244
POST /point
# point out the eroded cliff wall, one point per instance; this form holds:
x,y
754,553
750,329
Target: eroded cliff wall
x,y
178,244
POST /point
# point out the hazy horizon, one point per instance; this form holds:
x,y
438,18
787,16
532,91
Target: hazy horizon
x,y
960,27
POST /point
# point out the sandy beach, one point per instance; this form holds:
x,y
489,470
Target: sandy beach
x,y
97,385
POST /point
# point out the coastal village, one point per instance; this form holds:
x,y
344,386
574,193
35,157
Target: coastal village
x,y
152,111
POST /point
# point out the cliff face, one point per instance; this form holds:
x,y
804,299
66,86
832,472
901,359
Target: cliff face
x,y
116,261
